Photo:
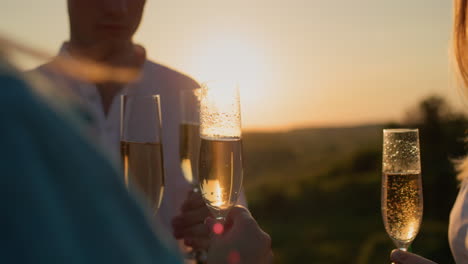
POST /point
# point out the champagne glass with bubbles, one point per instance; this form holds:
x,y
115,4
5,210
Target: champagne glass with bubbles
x,y
220,165
402,195
141,148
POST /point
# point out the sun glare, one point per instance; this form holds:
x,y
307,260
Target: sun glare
x,y
232,58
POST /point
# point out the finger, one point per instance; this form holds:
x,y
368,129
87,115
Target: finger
x,y
210,222
177,222
404,257
197,243
193,201
234,214
199,230
240,218
192,204
215,227
191,218
237,212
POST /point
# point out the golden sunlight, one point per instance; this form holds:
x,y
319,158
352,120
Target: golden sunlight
x,y
230,57
220,110
216,194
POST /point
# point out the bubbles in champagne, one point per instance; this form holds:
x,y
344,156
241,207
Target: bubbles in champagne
x,y
402,206
220,174
144,170
220,115
401,150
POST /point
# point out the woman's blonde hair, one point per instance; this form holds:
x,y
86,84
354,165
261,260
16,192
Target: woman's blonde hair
x,y
460,40
462,167
460,51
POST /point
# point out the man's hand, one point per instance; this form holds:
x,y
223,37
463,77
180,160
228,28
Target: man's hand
x,y
240,240
403,257
190,226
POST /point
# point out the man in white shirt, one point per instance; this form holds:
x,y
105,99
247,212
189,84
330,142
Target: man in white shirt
x,y
101,33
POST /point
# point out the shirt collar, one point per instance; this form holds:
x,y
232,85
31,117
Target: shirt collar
x,y
65,52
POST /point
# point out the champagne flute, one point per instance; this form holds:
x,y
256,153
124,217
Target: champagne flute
x,y
189,147
402,195
141,148
189,141
220,165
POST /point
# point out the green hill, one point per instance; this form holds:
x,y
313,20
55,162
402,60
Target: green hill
x,y
317,191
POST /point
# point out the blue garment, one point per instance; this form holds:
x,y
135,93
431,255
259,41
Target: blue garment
x,y
62,201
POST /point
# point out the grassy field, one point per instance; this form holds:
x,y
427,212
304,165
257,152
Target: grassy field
x,y
317,193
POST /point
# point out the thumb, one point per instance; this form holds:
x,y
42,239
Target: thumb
x,y
239,215
209,222
404,257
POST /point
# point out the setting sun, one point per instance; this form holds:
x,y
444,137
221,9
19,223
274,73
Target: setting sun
x,y
231,57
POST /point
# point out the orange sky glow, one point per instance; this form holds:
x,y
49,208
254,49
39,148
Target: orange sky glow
x,y
298,63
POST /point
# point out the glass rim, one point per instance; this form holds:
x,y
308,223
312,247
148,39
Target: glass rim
x,y
206,83
140,96
221,138
400,130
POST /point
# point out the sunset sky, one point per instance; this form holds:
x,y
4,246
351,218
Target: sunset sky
x,y
299,63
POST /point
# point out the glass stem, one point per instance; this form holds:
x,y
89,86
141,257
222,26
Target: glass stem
x,y
407,249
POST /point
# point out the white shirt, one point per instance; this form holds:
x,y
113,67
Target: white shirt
x,y
155,79
458,225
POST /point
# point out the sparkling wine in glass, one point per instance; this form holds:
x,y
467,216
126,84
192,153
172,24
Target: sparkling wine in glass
x,y
402,195
220,165
141,148
189,143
